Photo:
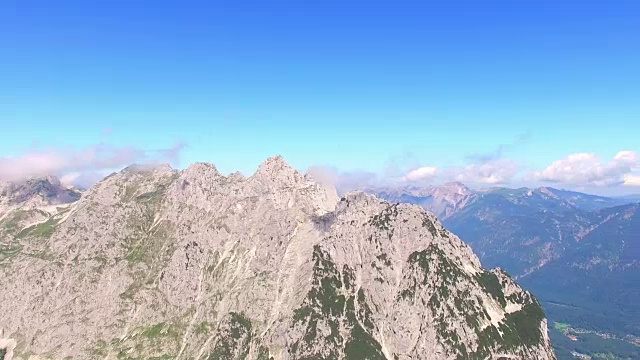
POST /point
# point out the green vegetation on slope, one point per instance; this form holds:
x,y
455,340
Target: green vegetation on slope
x,y
593,345
362,346
43,230
518,329
7,252
382,221
330,304
156,341
489,281
234,338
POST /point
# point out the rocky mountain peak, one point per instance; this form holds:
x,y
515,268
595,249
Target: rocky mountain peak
x,y
201,170
550,192
360,196
276,173
193,264
237,176
454,187
275,167
41,191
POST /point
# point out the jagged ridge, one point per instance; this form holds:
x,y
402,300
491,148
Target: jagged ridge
x,y
156,263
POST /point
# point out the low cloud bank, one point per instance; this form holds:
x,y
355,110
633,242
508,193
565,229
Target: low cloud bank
x,y
82,166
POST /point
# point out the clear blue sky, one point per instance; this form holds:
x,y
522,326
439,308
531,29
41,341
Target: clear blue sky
x,y
346,84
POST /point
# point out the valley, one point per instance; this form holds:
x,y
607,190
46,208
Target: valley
x,y
578,253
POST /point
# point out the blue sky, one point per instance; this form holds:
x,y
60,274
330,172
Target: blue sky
x,y
357,87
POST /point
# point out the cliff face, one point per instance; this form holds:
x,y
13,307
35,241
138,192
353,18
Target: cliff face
x,y
155,263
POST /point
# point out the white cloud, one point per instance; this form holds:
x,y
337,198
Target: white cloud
x,y
343,181
587,169
70,178
80,166
631,180
489,168
423,173
493,172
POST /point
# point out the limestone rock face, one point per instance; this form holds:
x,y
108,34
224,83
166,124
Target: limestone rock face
x,y
157,263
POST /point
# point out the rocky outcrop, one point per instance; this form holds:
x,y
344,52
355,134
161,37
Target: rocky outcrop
x,y
157,263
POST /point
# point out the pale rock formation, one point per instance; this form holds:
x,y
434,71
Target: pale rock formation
x,y
156,263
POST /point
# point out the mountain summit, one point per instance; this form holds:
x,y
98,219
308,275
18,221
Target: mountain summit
x,y
24,204
42,191
196,265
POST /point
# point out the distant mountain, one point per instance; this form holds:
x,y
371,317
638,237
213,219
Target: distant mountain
x,y
631,198
444,200
520,230
153,263
580,200
600,273
26,203
580,253
41,191
448,199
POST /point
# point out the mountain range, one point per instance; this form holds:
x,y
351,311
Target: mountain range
x,y
579,253
154,263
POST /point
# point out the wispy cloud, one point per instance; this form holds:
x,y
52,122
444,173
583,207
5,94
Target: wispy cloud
x,y
492,168
489,168
170,155
588,169
81,165
394,173
494,172
343,181
500,151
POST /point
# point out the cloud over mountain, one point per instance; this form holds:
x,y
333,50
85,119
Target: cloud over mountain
x,y
423,173
80,166
589,169
493,172
631,180
343,181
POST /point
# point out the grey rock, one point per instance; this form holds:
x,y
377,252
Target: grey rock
x,y
165,264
